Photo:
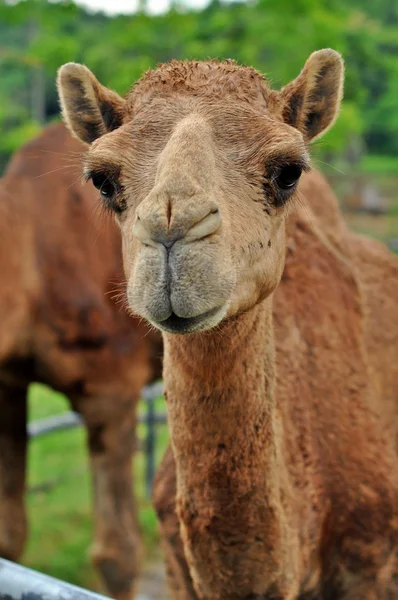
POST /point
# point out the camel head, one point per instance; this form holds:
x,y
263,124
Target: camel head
x,y
200,164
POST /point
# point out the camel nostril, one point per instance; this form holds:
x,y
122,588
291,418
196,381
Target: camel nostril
x,y
152,231
204,228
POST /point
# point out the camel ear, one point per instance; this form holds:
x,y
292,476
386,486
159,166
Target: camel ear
x,y
311,102
89,109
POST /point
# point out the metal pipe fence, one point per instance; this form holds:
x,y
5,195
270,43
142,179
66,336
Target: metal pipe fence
x,y
71,420
20,583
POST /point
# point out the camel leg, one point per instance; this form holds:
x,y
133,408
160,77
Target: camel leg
x,y
13,447
164,493
111,440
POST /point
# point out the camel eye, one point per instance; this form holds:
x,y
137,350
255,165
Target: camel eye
x,y
110,190
288,176
104,185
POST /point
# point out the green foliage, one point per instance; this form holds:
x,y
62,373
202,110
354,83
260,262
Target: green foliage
x,y
276,37
18,135
348,126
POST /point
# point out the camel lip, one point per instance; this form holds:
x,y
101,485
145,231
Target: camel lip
x,y
184,325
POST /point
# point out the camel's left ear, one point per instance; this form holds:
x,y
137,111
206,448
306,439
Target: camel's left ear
x,y
89,109
311,102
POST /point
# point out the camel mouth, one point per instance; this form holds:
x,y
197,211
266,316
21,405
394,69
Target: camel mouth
x,y
183,325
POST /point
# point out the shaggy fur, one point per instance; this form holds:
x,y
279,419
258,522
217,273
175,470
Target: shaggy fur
x,y
60,263
337,475
283,419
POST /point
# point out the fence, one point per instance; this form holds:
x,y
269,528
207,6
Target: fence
x,y
20,583
70,420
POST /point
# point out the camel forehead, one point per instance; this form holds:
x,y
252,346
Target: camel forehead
x,y
212,80
235,102
242,137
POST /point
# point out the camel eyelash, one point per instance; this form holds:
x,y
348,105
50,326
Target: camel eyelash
x,y
282,181
109,189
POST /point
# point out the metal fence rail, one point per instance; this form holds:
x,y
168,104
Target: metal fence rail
x,y
20,583
66,420
71,420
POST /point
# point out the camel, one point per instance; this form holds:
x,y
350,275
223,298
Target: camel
x,y
277,322
61,268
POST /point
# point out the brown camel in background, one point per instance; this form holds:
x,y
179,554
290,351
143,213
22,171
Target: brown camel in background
x,y
283,420
60,264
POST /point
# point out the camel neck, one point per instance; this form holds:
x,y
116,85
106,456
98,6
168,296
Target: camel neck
x,y
221,410
220,382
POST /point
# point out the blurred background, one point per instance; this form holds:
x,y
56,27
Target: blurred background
x,y
359,155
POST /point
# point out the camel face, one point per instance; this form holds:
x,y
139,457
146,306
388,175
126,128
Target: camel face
x,y
207,239
200,164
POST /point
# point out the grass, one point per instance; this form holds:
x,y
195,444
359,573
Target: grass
x,y
375,164
59,497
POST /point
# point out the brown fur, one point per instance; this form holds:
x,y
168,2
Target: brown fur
x,y
283,418
60,263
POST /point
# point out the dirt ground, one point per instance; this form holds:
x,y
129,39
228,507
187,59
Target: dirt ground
x,y
153,582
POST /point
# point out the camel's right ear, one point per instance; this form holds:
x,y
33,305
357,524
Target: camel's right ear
x,y
89,109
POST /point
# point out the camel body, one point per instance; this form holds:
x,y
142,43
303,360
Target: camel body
x,y
339,424
278,324
60,264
